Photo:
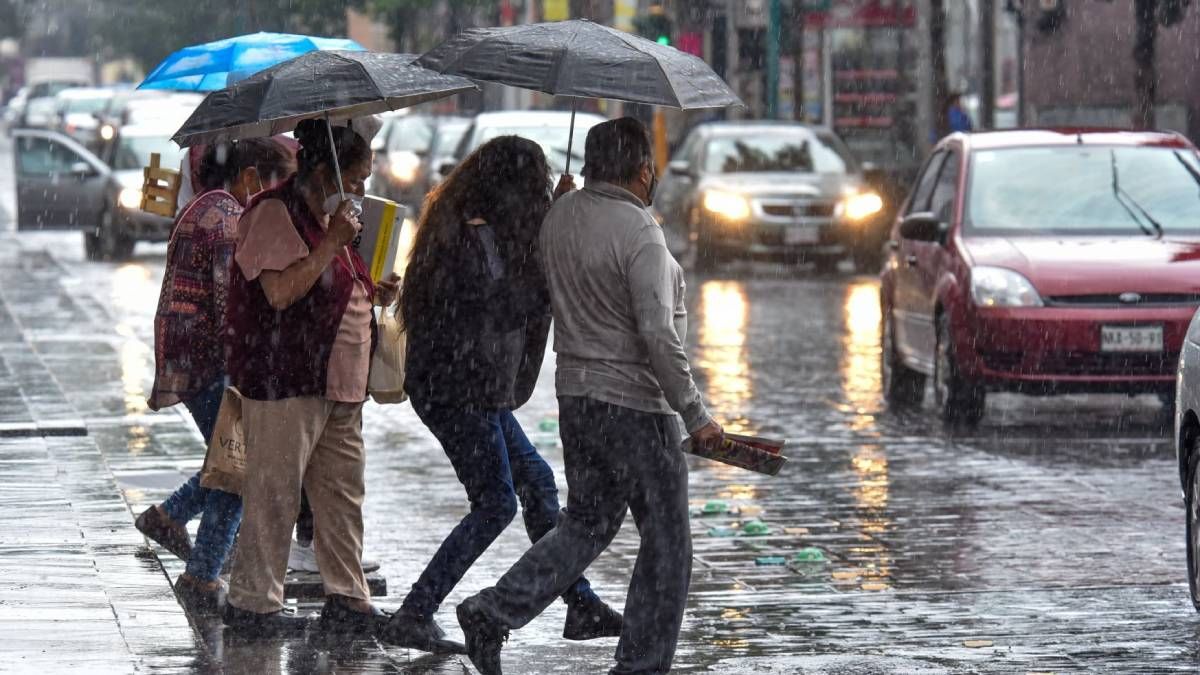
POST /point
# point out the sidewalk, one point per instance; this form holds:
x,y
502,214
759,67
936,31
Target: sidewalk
x,y
79,590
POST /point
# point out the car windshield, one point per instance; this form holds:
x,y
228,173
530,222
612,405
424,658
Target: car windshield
x,y
134,152
448,135
411,134
1084,190
772,152
86,105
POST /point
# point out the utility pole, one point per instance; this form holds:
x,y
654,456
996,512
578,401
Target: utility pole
x,y
1017,9
799,104
924,77
733,52
773,32
987,33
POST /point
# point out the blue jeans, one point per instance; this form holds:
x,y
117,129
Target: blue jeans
x,y
497,465
222,510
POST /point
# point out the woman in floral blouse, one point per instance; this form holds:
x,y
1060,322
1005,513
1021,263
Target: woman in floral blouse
x,y
188,351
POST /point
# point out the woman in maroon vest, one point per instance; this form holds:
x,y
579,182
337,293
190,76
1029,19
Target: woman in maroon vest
x,y
300,334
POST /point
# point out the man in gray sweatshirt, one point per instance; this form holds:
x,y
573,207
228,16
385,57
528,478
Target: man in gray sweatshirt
x,y
622,380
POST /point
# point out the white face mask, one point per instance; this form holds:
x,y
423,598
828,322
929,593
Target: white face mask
x,y
334,200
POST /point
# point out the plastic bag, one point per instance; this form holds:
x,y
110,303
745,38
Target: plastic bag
x,y
385,383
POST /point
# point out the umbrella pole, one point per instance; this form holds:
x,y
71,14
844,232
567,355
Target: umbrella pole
x,y
337,170
571,133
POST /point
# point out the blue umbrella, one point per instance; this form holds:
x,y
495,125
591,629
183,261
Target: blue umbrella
x,y
216,65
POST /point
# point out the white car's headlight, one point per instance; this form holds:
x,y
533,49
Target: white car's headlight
x,y
859,206
727,204
404,165
999,287
130,198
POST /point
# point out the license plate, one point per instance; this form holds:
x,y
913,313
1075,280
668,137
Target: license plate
x,y
1131,339
800,235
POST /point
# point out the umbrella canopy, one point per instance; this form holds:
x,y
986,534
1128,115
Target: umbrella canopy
x,y
327,84
582,59
216,65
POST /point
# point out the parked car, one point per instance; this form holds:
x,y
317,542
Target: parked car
x,y
770,190
1187,448
61,184
448,132
77,110
1042,262
400,145
549,129
39,113
14,110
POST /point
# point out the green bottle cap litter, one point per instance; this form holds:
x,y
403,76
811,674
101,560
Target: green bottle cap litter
x,y
810,554
715,506
722,532
770,560
755,528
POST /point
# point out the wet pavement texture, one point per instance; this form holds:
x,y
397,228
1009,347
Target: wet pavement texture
x,y
1048,540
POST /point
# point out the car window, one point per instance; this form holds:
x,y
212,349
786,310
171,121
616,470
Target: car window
x,y
928,180
85,105
412,134
447,136
688,151
773,152
942,201
133,152
43,157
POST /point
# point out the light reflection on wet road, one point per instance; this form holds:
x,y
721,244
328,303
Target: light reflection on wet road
x,y
1048,540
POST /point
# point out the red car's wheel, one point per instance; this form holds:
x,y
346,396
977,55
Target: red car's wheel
x,y
960,401
903,387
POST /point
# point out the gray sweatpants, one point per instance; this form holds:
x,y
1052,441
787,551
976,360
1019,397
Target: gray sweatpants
x,y
616,458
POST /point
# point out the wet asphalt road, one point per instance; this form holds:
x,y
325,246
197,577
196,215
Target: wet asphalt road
x,y
1049,540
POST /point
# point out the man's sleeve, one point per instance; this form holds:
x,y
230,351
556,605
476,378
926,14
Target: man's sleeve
x,y
652,286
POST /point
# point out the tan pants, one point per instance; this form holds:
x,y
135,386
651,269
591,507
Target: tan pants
x,y
300,441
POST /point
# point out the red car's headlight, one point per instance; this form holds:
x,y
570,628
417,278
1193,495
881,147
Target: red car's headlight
x,y
1000,287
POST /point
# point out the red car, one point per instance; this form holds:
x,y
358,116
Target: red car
x,y
1042,262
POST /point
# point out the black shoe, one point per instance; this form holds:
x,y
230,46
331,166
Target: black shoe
x,y
485,638
591,620
167,533
196,596
423,633
336,617
254,625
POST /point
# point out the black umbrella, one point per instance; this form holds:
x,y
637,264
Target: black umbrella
x,y
580,58
321,84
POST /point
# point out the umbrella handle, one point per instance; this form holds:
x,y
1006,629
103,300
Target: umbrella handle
x,y
337,169
571,133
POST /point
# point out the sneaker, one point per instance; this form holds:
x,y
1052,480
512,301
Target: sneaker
x,y
336,617
167,533
198,596
254,625
591,620
484,637
416,632
303,558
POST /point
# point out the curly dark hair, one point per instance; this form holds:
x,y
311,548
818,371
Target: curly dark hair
x,y
313,137
505,182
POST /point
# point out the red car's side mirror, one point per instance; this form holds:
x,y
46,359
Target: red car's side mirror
x,y
922,226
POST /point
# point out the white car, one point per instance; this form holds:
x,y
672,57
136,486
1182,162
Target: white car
x,y
1187,447
548,128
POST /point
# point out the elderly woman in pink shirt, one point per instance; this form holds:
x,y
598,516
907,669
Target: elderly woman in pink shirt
x,y
301,331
